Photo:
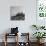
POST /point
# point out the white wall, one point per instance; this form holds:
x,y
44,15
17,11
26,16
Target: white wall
x,y
30,15
4,15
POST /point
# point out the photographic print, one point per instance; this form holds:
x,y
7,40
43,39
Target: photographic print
x,y
16,13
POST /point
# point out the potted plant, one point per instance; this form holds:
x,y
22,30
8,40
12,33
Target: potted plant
x,y
39,35
35,26
38,27
42,27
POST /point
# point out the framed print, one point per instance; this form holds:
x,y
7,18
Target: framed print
x,y
16,13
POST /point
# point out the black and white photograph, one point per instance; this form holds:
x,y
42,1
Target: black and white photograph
x,y
16,13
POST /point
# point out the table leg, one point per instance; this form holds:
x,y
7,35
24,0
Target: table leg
x,y
5,40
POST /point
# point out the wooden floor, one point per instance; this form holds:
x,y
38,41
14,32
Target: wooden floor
x,y
13,44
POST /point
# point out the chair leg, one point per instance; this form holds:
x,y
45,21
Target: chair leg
x,y
17,41
5,40
5,43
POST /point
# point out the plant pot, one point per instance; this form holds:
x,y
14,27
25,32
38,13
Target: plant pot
x,y
40,41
